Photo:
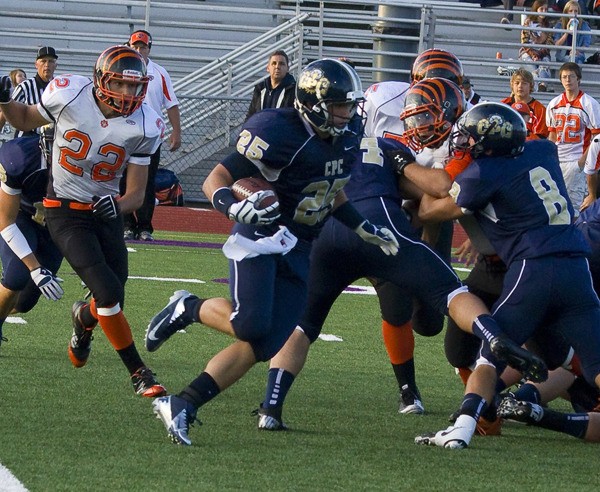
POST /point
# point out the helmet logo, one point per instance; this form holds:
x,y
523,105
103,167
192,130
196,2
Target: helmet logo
x,y
132,73
495,124
314,82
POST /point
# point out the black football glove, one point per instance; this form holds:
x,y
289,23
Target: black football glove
x,y
401,159
105,207
5,89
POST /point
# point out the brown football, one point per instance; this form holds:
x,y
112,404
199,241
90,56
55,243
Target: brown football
x,y
245,187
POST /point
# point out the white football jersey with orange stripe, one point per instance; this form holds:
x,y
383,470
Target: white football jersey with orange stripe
x,y
160,92
592,162
574,123
383,104
91,151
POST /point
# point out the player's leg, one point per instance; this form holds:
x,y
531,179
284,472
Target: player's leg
x,y
146,211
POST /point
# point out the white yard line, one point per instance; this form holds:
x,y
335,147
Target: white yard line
x,y
8,482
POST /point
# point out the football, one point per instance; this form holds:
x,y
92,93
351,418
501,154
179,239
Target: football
x,y
245,187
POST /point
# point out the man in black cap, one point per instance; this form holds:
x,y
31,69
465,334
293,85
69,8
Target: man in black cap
x,y
470,95
30,91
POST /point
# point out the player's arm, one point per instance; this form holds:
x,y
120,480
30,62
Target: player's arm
x,y
434,209
552,136
175,120
47,282
22,116
135,188
435,182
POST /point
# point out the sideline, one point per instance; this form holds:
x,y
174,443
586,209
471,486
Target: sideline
x,y
8,482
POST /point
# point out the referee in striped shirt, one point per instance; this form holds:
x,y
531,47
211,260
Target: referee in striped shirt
x,y
30,91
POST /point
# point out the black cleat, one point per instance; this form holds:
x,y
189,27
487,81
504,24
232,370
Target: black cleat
x,y
527,363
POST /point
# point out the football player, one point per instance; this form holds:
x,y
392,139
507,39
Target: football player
x,y
101,127
30,260
337,259
516,192
384,103
303,152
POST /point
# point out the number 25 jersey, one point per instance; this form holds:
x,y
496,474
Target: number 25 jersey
x,y
91,151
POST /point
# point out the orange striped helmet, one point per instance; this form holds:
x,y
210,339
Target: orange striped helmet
x,y
430,109
437,63
121,64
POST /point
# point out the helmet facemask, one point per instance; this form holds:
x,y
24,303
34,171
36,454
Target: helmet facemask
x,y
425,126
124,104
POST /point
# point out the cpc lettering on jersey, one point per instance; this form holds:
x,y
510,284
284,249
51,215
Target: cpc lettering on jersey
x,y
333,168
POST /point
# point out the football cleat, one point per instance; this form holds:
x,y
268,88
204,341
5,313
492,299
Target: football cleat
x,y
177,415
170,320
410,402
145,236
145,384
129,235
457,436
80,345
270,419
520,411
530,365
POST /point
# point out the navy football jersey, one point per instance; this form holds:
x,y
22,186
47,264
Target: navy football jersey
x,y
521,203
22,168
373,173
306,171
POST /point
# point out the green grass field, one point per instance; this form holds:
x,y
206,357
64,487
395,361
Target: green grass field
x,y
63,428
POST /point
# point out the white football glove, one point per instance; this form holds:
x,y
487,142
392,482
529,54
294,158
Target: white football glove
x,y
379,236
48,283
245,212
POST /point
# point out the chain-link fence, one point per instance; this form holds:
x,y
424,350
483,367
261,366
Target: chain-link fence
x,y
209,129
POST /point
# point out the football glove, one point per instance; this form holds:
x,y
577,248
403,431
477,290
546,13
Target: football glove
x,y
245,212
48,283
379,236
5,89
105,207
401,159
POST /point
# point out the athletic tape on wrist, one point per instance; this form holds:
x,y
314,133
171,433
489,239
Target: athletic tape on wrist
x,y
16,241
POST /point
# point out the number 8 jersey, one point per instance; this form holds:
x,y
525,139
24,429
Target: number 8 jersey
x,y
91,151
521,203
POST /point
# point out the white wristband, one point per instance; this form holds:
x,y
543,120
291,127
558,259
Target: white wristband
x,y
16,241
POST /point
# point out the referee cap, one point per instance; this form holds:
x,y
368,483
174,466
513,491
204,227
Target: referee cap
x,y
45,51
141,37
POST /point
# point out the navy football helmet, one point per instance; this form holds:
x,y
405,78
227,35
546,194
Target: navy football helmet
x,y
437,63
120,63
490,129
431,107
325,82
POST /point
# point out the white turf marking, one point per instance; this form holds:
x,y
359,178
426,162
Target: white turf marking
x,y
365,290
16,320
8,482
330,338
166,279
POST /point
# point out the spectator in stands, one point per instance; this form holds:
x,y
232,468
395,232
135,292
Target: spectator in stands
x,y
160,95
573,117
509,5
470,95
278,89
525,112
521,85
30,90
532,55
569,22
17,76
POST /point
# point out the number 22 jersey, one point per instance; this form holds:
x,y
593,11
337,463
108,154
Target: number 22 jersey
x,y
91,151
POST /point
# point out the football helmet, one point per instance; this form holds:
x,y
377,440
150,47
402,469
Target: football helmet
x,y
323,83
120,63
493,129
431,107
437,63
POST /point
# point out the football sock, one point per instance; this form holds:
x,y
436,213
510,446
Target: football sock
x,y
486,328
528,392
405,375
201,390
574,424
399,341
472,405
192,308
115,326
400,345
131,358
279,382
